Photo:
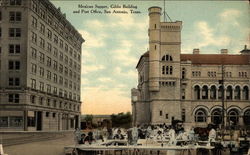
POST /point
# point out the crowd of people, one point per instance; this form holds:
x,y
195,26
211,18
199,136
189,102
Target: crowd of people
x,y
162,132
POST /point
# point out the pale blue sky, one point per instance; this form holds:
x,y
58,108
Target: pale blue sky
x,y
115,42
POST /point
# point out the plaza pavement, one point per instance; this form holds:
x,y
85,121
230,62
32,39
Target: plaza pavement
x,y
46,147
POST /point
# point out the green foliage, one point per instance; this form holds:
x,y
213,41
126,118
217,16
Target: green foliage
x,y
88,118
121,120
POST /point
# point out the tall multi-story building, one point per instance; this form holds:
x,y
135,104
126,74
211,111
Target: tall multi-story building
x,y
194,88
40,66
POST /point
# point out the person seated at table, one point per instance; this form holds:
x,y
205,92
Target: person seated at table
x,y
81,141
89,138
118,135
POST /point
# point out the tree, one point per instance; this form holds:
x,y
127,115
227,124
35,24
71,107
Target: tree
x,y
89,119
121,120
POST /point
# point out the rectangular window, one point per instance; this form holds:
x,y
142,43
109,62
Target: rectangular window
x,y
14,65
14,98
41,86
16,121
4,122
183,115
41,71
55,64
48,88
0,32
70,62
33,68
41,57
42,42
50,20
34,37
55,39
31,121
34,22
14,81
61,43
60,92
49,47
65,70
55,78
48,61
61,56
33,52
66,59
166,116
14,49
42,13
42,28
33,83
15,16
55,91
66,82
15,2
66,47
61,68
61,80
49,34
160,113
55,52
33,99
14,32
48,75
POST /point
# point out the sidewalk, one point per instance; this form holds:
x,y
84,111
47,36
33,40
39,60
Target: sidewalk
x,y
50,147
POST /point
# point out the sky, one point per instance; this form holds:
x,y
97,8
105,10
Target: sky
x,y
114,42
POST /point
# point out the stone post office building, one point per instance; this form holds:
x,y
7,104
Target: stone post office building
x,y
189,87
40,66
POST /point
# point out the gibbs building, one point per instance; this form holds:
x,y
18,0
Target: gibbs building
x,y
40,65
194,88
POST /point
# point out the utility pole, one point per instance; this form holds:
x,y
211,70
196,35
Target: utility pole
x,y
222,99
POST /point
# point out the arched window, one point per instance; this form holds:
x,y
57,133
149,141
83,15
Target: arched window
x,y
233,117
237,93
220,92
246,117
167,58
183,73
170,70
229,93
163,69
216,116
197,92
213,92
245,93
204,92
167,69
200,115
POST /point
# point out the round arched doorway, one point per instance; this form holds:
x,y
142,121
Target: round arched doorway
x,y
216,116
233,117
246,117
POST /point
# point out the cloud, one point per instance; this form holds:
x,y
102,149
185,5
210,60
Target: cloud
x,y
230,15
123,54
208,37
92,68
130,74
104,79
91,41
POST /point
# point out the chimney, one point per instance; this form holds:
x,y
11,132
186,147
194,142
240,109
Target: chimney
x,y
196,51
223,51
